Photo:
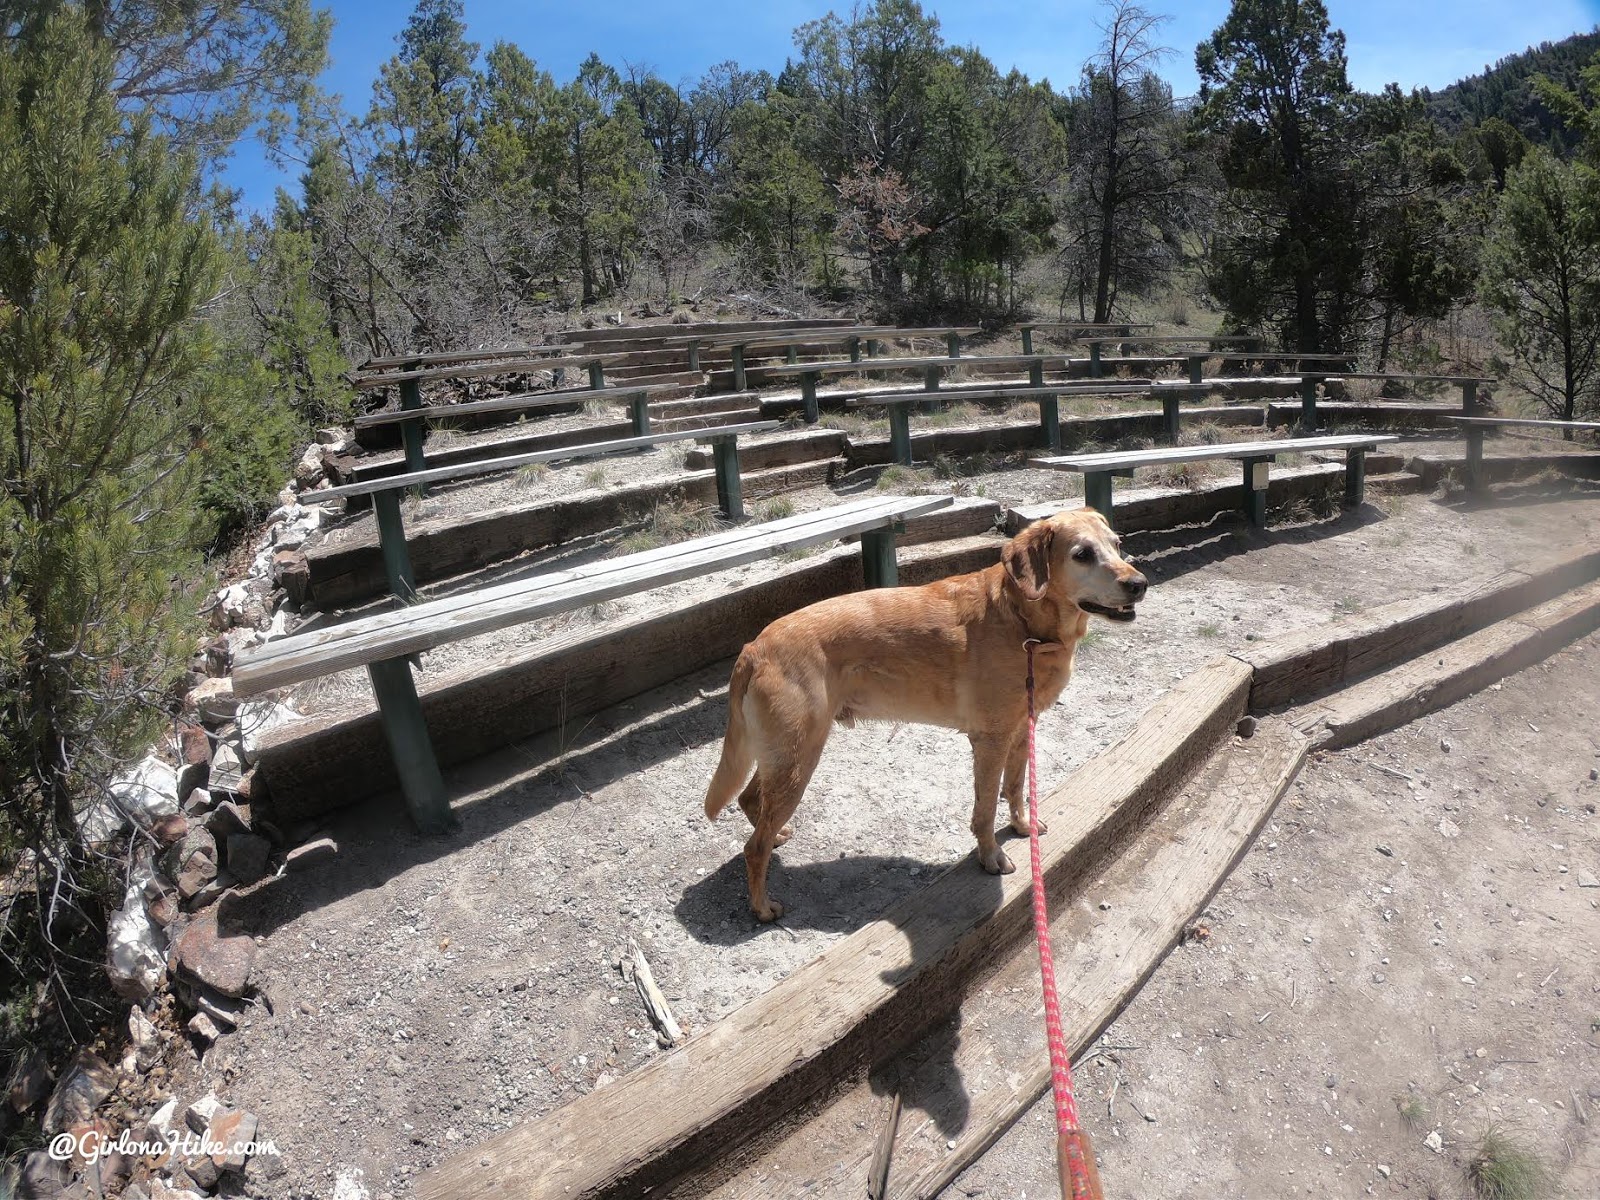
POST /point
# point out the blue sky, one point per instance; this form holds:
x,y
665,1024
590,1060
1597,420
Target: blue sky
x,y
1416,43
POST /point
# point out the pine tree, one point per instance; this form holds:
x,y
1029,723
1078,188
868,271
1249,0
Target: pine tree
x,y
103,270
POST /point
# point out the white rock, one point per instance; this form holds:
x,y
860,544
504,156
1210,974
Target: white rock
x,y
198,1115
1434,1142
163,1123
146,1042
214,700
148,793
136,947
348,1185
1586,878
309,467
258,718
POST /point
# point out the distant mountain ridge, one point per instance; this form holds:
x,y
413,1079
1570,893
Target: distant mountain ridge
x,y
1505,90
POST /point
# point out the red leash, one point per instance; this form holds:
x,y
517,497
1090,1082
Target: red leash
x,y
1075,1156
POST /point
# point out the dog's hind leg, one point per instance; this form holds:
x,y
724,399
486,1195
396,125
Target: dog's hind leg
x,y
782,785
1016,777
989,755
750,802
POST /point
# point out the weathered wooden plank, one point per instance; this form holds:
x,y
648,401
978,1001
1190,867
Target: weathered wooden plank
x,y
1299,666
423,626
1452,672
860,1001
347,570
503,404
847,367
340,757
447,357
489,466
969,1080
1524,423
1119,459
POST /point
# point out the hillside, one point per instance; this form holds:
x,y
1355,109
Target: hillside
x,y
1505,89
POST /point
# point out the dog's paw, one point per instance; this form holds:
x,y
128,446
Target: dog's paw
x,y
1020,826
996,863
784,835
773,911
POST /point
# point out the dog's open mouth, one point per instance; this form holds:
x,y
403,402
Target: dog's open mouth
x,y
1125,613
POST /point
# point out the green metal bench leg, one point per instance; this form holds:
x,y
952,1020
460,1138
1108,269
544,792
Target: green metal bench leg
x,y
952,342
694,356
808,394
1097,493
878,566
791,355
854,345
1308,401
1255,497
597,375
930,383
1355,477
1036,373
1050,419
1027,339
1169,418
1469,397
392,542
1197,364
738,368
412,432
639,410
1095,370
725,461
407,732
900,434
1474,459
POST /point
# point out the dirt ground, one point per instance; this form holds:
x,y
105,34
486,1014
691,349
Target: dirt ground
x,y
1407,949
426,994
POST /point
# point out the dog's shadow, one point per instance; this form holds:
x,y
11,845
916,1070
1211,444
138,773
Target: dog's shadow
x,y
841,896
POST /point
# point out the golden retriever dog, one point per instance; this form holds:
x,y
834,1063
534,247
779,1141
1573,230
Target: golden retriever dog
x,y
952,653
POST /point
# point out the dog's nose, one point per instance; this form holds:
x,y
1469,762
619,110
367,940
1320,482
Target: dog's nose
x,y
1136,586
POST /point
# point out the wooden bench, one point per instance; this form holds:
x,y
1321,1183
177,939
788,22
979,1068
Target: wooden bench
x,y
851,338
932,371
1198,360
1098,469
385,643
410,383
1310,380
386,492
1249,342
448,357
1476,427
1076,329
899,403
636,397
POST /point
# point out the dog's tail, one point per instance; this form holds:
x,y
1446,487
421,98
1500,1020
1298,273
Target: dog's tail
x,y
737,755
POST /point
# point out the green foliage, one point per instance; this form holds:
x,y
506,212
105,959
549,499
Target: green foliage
x,y
103,272
1541,279
1274,94
1506,91
773,208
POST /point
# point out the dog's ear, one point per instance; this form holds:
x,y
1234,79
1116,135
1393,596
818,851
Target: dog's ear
x,y
1027,559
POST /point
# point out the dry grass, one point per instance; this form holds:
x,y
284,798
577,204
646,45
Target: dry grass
x,y
670,521
1502,1168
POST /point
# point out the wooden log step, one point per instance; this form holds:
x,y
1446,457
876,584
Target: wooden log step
x,y
803,445
972,1078
1397,483
1452,672
1502,466
1294,668
865,998
341,757
745,402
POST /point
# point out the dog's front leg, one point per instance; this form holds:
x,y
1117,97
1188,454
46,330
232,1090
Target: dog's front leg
x,y
1016,776
988,761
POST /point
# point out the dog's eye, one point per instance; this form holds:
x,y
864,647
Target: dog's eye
x,y
1084,554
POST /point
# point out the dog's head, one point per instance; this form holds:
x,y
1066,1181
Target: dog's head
x,y
1073,558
